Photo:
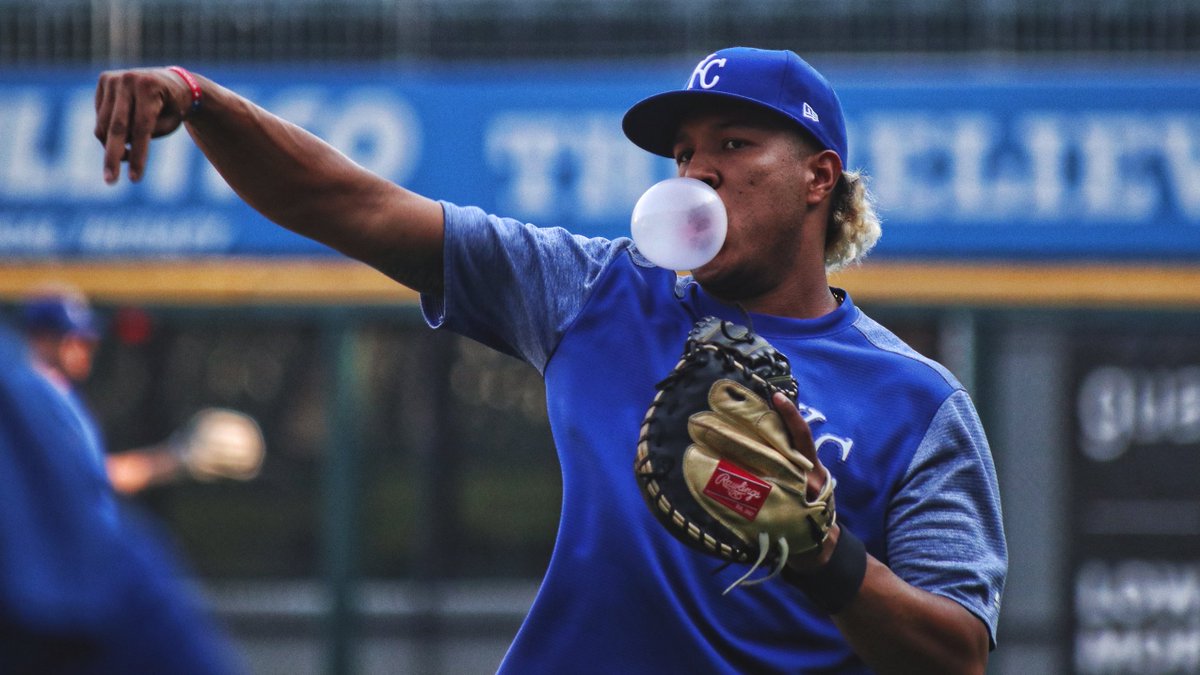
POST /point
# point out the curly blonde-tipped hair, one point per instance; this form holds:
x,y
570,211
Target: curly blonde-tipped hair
x,y
853,223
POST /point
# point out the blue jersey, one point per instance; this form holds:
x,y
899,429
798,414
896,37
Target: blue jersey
x,y
915,479
81,591
75,414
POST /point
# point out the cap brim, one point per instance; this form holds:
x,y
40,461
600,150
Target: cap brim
x,y
653,122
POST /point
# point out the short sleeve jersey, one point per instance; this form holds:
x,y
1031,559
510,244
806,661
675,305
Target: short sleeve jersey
x,y
915,478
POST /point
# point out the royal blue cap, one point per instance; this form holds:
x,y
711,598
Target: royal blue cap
x,y
59,315
778,80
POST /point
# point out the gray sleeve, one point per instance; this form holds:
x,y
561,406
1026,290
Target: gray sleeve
x,y
945,533
514,286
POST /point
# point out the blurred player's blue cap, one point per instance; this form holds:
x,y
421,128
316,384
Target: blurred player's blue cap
x,y
777,80
59,315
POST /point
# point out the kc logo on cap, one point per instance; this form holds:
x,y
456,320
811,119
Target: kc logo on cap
x,y
701,73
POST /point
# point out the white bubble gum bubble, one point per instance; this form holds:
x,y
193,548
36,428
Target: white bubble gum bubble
x,y
679,224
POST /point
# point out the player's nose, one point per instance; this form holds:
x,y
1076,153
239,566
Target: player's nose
x,y
702,169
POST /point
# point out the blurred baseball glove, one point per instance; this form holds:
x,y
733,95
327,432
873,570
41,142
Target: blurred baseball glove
x,y
220,443
715,462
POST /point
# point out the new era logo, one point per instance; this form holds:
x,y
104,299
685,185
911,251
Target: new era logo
x,y
737,489
810,113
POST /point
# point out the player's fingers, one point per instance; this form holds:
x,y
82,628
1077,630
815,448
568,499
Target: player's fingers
x,y
101,107
141,129
106,109
117,126
802,439
148,95
796,426
129,105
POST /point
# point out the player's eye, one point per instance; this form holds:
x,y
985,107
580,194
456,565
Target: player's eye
x,y
733,143
682,157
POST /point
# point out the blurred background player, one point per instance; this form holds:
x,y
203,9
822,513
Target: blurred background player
x,y
63,333
81,590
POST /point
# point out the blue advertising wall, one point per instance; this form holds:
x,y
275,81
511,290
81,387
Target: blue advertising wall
x,y
1025,164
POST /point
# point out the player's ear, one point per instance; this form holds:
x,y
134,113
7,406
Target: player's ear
x,y
824,169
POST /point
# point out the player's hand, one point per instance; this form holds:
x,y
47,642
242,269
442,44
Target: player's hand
x,y
132,107
802,440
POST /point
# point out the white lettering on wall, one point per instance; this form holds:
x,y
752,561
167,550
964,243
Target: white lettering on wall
x,y
29,171
379,131
1084,168
152,234
1181,150
982,167
553,165
28,235
1118,407
61,163
1137,616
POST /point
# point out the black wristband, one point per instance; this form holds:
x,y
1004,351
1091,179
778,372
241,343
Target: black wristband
x,y
836,583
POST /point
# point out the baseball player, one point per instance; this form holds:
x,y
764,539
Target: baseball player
x,y
82,592
908,579
62,334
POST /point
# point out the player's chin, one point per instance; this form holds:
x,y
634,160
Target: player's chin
x,y
707,273
726,284
713,269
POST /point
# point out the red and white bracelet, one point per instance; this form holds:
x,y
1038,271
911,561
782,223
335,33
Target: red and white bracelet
x,y
190,80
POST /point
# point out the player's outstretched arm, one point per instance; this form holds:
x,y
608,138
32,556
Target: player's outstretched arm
x,y
286,173
893,626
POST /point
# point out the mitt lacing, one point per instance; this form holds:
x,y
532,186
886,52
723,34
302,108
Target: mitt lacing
x,y
764,545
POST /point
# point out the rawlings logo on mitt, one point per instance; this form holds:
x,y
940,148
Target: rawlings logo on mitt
x,y
715,462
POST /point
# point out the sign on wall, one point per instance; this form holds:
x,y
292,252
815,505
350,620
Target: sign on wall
x,y
1018,164
1135,504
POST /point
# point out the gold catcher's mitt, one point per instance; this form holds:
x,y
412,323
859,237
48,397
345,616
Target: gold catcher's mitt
x,y
716,464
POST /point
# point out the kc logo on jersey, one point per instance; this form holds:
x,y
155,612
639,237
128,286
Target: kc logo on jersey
x,y
701,73
737,489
